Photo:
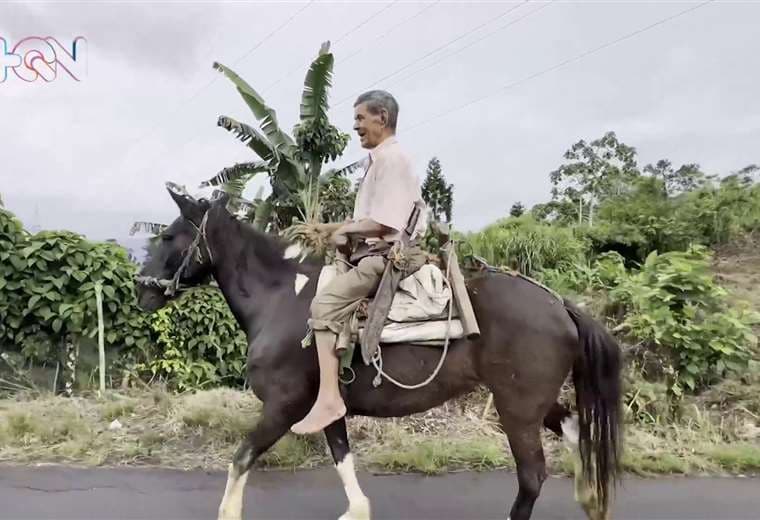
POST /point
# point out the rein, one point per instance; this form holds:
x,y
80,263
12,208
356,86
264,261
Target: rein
x,y
172,286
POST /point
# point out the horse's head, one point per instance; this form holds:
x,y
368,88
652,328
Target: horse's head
x,y
180,255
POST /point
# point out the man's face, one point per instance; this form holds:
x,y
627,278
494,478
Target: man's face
x,y
370,127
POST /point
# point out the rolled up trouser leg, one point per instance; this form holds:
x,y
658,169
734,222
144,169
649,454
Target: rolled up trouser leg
x,y
332,307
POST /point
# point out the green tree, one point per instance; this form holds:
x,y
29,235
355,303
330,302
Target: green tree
x,y
336,197
517,209
561,211
687,178
639,221
294,164
438,195
747,174
594,172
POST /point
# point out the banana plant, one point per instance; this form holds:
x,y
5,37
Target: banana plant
x,y
293,164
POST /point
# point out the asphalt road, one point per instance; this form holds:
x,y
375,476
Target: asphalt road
x,y
53,492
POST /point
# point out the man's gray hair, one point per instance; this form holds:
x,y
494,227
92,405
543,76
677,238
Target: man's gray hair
x,y
377,100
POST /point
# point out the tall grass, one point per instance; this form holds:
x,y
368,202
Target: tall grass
x,y
526,245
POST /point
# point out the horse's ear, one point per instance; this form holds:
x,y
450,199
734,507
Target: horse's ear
x,y
220,198
188,207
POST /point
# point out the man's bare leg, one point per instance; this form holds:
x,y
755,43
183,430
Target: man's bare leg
x,y
329,406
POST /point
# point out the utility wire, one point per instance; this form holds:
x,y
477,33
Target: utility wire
x,y
390,30
215,78
461,49
361,24
559,65
440,47
355,28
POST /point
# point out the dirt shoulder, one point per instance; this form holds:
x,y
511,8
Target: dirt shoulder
x,y
201,430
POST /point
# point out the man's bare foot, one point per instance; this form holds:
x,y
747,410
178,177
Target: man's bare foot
x,y
320,417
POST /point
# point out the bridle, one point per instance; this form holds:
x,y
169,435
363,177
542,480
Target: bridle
x,y
193,251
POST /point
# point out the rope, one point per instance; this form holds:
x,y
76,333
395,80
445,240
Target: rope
x,y
377,359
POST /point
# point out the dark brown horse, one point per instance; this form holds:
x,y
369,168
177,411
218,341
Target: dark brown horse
x,y
530,341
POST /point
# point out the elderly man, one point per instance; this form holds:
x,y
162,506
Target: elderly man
x,y
384,202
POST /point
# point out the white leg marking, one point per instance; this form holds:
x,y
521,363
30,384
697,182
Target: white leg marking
x,y
292,251
231,507
358,503
570,432
301,280
585,493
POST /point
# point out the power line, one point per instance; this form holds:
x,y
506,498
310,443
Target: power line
x,y
559,65
275,31
483,37
215,78
390,30
440,47
366,21
360,49
351,31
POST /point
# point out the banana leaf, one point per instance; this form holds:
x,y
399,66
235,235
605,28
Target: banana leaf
x,y
235,200
266,115
314,104
250,136
351,168
263,214
153,228
233,173
283,165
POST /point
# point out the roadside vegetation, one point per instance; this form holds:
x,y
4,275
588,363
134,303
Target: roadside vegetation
x,y
667,257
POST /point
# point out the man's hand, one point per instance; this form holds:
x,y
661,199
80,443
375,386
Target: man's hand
x,y
339,239
330,227
365,228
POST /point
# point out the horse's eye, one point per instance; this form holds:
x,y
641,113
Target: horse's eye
x,y
167,238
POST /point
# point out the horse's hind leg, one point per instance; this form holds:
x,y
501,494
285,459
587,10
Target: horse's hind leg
x,y
337,440
522,423
525,442
270,428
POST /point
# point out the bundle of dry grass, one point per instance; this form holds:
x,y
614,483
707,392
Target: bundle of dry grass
x,y
314,237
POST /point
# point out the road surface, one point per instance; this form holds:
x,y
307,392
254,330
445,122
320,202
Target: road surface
x,y
54,492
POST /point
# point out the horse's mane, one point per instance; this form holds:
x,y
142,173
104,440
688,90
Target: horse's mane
x,y
268,249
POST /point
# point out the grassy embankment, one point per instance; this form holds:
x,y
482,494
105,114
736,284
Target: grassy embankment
x,y
718,432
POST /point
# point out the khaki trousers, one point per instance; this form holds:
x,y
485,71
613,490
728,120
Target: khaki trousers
x,y
341,297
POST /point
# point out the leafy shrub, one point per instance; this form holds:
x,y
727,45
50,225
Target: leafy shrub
x,y
525,245
47,291
198,342
11,234
675,306
645,219
639,221
717,215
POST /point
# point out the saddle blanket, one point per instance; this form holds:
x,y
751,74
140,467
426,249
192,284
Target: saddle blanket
x,y
419,310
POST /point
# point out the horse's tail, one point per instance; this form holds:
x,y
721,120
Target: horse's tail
x,y
596,376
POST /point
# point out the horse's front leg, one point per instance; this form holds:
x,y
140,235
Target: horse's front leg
x,y
274,423
358,503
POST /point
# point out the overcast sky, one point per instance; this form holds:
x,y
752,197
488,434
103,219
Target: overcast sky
x,y
92,156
